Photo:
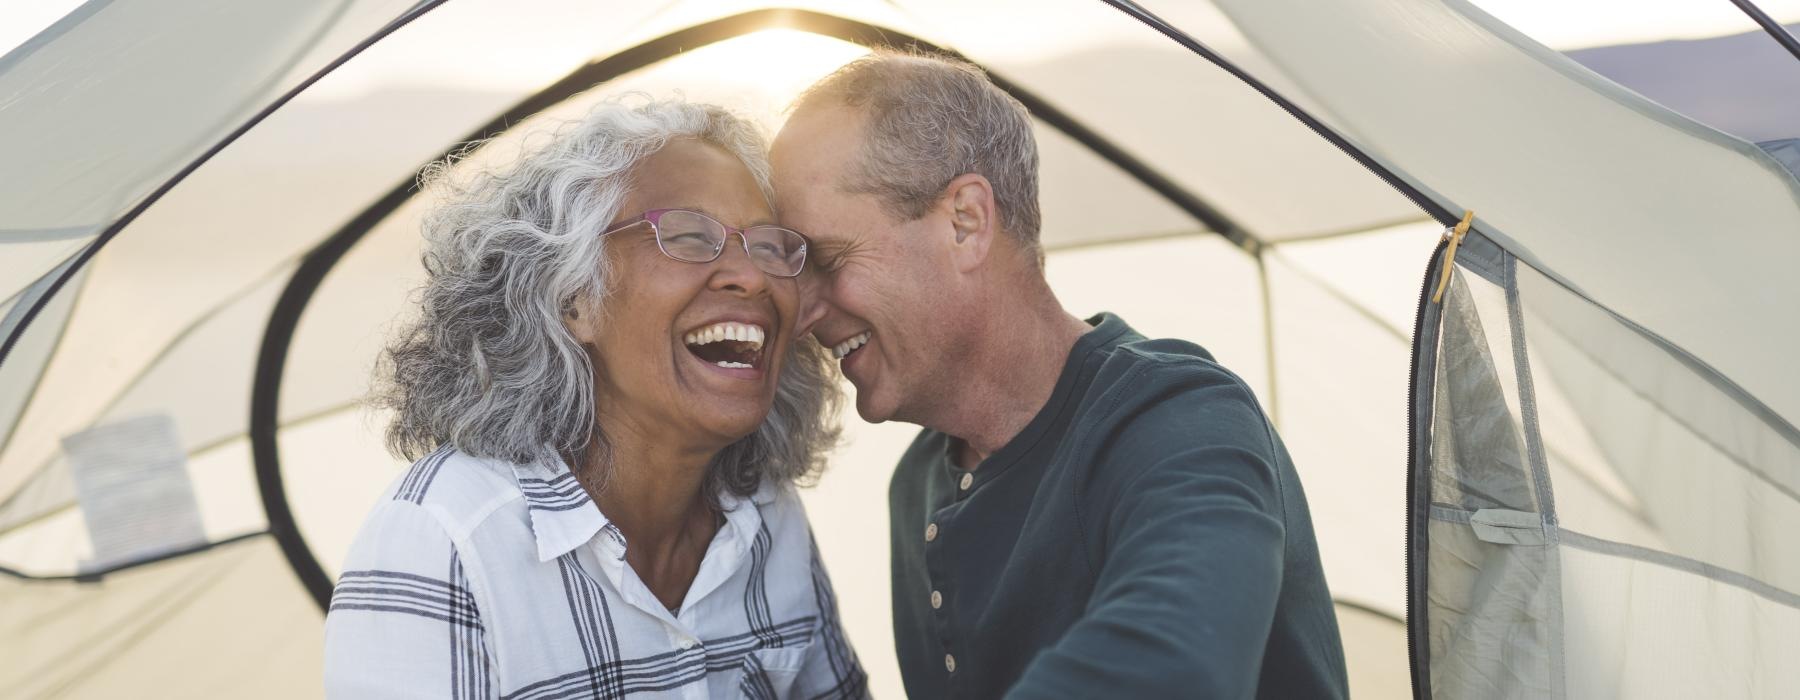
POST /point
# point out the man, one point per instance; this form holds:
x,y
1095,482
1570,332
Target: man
x,y
1087,513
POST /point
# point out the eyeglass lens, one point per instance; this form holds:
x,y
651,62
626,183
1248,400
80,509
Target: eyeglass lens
x,y
692,237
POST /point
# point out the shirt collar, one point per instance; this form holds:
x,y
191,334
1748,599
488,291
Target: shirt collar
x,y
564,517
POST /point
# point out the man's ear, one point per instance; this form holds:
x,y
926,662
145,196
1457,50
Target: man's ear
x,y
973,218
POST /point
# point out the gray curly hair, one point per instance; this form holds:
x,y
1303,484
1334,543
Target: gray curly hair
x,y
488,367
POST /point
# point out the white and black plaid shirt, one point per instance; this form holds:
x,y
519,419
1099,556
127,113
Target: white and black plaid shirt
x,y
477,578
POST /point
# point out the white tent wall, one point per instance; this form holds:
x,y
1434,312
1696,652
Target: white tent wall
x,y
1309,295
228,622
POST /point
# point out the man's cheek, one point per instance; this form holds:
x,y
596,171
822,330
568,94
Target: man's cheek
x,y
813,305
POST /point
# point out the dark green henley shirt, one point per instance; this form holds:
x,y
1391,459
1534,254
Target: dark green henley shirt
x,y
1144,536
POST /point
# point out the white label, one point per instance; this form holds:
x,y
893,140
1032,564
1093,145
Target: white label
x,y
131,479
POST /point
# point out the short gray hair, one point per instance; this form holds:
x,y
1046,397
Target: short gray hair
x,y
931,119
488,367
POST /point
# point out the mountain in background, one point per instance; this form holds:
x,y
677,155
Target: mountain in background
x,y
1746,85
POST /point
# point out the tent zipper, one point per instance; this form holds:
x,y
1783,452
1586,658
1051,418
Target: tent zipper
x,y
1415,511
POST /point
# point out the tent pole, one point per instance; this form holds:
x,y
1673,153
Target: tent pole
x,y
1437,211
1781,34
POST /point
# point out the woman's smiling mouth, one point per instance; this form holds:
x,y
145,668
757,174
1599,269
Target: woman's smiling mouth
x,y
729,345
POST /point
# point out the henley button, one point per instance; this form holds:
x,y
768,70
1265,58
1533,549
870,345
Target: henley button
x,y
931,532
950,663
967,481
937,600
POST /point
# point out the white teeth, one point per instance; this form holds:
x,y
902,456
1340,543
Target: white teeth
x,y
733,365
741,332
846,347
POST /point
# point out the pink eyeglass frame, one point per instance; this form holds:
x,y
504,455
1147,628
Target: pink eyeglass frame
x,y
654,218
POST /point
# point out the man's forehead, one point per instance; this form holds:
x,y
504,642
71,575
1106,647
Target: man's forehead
x,y
820,135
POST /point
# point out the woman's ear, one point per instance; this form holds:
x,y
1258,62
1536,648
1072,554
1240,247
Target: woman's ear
x,y
573,316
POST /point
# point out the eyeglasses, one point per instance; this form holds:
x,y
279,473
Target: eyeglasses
x,y
690,236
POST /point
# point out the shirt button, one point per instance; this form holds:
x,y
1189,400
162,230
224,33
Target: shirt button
x,y
931,532
937,600
687,644
967,481
950,663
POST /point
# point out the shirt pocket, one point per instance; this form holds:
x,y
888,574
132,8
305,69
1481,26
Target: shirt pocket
x,y
770,673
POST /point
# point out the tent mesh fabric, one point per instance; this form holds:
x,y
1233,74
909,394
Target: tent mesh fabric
x,y
1606,518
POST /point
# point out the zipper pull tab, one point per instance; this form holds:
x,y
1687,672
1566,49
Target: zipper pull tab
x,y
1455,235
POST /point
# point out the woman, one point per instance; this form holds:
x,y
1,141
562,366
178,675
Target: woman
x,y
608,384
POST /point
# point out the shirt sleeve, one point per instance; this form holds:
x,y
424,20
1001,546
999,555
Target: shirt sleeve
x,y
403,621
1186,594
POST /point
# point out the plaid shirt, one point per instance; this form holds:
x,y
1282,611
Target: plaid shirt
x,y
476,578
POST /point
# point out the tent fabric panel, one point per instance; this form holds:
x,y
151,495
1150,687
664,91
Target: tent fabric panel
x,y
44,532
1479,455
1687,468
160,63
1786,152
26,262
1643,629
1652,214
1335,370
1376,270
227,622
1221,310
190,354
1492,622
1374,652
334,468
21,372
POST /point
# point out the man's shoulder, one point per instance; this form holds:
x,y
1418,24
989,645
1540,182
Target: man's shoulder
x,y
1166,404
1172,388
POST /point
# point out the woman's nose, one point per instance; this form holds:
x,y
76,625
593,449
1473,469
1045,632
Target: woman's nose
x,y
735,271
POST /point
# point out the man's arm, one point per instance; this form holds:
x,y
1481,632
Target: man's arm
x,y
1184,601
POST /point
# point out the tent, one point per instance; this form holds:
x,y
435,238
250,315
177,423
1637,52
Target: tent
x,y
1581,485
